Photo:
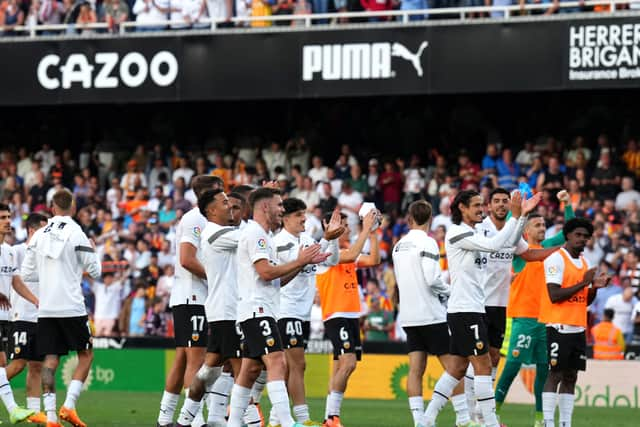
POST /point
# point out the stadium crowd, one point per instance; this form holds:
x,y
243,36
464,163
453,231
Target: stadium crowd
x,y
185,14
129,205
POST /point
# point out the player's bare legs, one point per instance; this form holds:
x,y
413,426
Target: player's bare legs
x,y
15,367
195,359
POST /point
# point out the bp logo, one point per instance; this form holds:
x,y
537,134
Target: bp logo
x,y
399,381
68,369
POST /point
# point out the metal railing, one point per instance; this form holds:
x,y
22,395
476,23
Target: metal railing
x,y
307,20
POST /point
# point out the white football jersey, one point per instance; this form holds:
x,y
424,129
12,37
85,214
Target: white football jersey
x,y
21,309
57,255
466,254
257,297
416,264
498,273
296,297
188,288
219,246
8,269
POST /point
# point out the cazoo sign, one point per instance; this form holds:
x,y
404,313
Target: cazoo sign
x,y
106,70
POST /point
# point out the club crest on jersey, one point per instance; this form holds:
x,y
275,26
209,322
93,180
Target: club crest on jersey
x,y
479,345
270,341
197,231
262,244
17,350
346,345
553,362
293,341
195,337
515,352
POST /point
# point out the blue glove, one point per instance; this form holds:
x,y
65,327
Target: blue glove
x,y
525,190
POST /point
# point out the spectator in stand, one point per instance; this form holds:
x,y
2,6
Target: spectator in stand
x,y
307,194
444,217
606,177
38,194
183,171
390,182
108,302
414,182
349,202
342,168
115,13
319,172
608,341
86,17
222,171
628,199
156,320
240,174
13,15
274,156
156,200
525,157
635,316
133,178
378,322
631,157
51,12
552,178
157,169
623,304
132,316
373,179
260,8
358,181
377,6
283,7
298,153
630,268
327,201
508,171
148,15
262,174
414,5
578,148
468,172
490,160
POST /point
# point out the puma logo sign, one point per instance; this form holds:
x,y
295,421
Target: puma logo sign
x,y
401,51
357,61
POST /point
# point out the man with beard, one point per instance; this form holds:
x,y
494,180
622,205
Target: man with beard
x,y
497,280
259,280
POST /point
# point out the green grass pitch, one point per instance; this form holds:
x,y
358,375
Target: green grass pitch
x,y
102,409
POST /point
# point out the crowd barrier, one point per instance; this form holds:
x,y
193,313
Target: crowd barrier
x,y
123,367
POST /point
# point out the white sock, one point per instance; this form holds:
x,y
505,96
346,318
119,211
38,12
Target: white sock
x,y
219,398
189,411
459,402
441,393
486,399
273,418
326,407
252,416
168,406
549,401
49,400
258,387
334,403
5,391
240,397
33,403
73,392
416,405
280,402
469,390
494,372
301,412
565,407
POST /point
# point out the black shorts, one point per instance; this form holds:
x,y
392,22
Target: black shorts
x,y
294,332
5,335
345,336
566,351
60,335
189,325
260,337
496,318
432,339
224,339
23,342
469,335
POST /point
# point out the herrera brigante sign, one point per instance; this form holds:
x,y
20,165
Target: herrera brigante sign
x,y
604,52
